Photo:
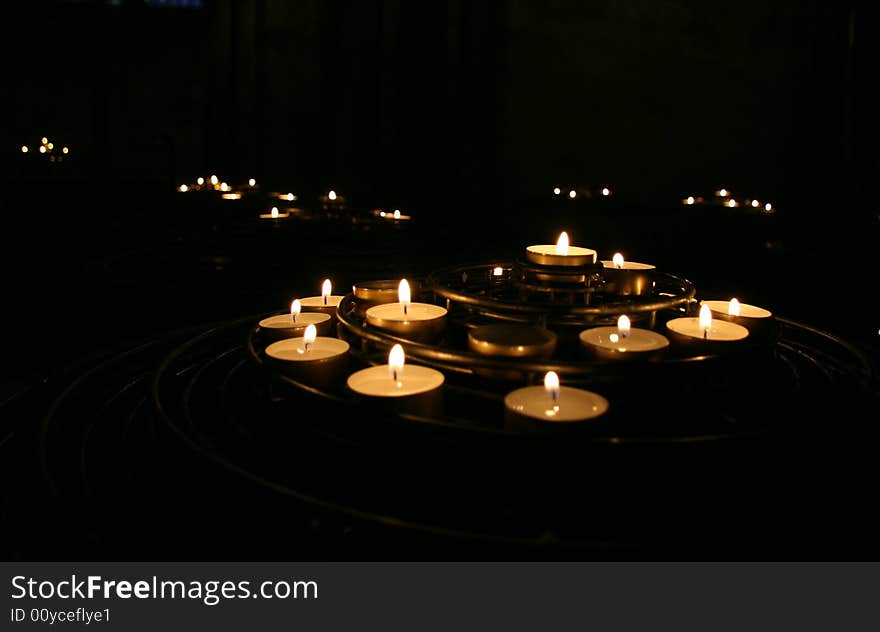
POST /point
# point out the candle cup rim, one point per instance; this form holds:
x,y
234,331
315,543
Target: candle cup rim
x,y
564,391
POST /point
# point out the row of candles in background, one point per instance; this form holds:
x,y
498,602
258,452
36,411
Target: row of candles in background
x,y
305,349
330,201
722,197
47,149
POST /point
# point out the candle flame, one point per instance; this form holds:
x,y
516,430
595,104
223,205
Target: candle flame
x,y
381,213
606,191
396,214
572,194
404,296
617,260
690,199
45,140
733,307
623,326
24,149
290,197
557,191
705,320
723,193
64,150
214,180
497,271
42,149
309,337
731,203
183,188
396,360
331,196
755,204
224,186
252,182
562,244
768,207
551,386
295,309
200,181
326,290
274,212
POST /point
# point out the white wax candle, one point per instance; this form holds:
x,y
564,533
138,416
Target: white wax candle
x,y
294,349
627,265
560,254
321,362
610,339
376,381
421,321
284,325
326,303
718,331
571,404
745,310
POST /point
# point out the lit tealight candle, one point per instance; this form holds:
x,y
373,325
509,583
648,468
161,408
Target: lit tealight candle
x,y
422,322
294,324
623,341
402,387
757,320
326,303
536,407
627,277
274,213
560,254
705,328
311,359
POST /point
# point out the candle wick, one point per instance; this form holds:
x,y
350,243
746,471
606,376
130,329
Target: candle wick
x,y
325,299
308,346
394,374
405,309
706,334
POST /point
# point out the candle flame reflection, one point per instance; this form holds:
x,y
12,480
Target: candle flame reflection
x,y
733,307
396,360
562,244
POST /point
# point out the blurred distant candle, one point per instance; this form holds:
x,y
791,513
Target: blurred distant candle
x,y
537,407
421,322
333,200
561,254
311,359
183,188
403,388
623,341
274,213
252,183
294,323
326,303
606,191
627,278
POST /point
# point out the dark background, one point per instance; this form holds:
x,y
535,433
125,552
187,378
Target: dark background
x,y
464,114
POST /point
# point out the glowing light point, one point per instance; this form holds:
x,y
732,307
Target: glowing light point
x,y
252,182
42,149
396,361
690,199
331,196
731,203
623,326
274,212
404,295
24,149
617,260
705,320
733,307
606,191
200,181
562,244
557,191
183,188
326,290
572,194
